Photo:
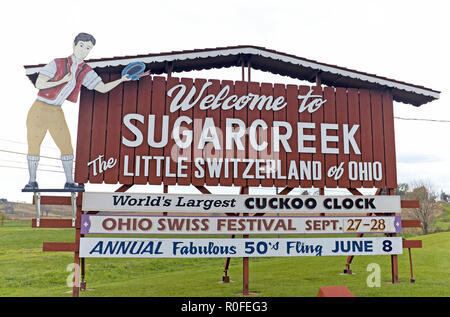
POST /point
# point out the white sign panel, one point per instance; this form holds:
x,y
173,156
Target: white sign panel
x,y
140,202
114,224
205,248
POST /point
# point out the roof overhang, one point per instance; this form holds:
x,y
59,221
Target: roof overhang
x,y
265,60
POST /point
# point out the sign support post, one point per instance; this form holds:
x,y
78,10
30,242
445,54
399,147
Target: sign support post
x,y
245,261
354,191
394,258
76,277
37,199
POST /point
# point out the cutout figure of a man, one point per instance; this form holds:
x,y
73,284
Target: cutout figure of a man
x,y
58,81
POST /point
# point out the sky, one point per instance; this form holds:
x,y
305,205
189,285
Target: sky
x,y
402,40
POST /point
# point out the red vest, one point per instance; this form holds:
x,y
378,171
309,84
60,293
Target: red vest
x,y
62,68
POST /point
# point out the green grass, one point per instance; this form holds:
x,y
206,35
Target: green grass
x,y
27,271
443,221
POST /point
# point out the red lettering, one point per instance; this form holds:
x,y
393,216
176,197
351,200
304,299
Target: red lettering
x,y
231,224
317,224
175,224
241,223
162,225
126,224
205,223
112,224
290,227
220,224
308,225
280,224
335,222
144,224
267,226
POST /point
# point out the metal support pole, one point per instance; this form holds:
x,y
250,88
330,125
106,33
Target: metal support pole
x,y
165,191
245,261
37,201
225,277
394,257
73,199
318,79
394,265
412,280
83,272
77,262
322,193
350,258
77,204
169,68
244,191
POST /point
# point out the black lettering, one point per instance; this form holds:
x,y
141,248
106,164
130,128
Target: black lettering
x,y
271,203
310,203
369,202
248,202
359,203
284,203
297,203
347,203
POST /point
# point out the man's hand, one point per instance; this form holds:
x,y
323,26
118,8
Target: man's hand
x,y
104,88
125,77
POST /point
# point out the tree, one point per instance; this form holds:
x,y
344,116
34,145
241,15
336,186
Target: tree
x,y
429,207
402,189
444,196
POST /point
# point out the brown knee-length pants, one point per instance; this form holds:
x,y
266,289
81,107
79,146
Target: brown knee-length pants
x,y
43,117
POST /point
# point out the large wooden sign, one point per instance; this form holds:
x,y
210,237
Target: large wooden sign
x,y
190,203
189,248
211,132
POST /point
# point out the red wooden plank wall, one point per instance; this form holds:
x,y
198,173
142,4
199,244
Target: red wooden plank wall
x,y
330,117
267,116
101,130
280,90
305,116
170,149
226,181
143,107
98,136
292,117
158,106
113,131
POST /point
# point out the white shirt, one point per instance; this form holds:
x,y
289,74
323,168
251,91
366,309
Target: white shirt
x,y
90,81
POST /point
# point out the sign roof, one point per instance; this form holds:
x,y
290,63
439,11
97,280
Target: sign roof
x,y
266,60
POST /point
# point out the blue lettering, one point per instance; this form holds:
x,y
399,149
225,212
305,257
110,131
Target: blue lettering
x,y
109,247
138,250
148,248
175,247
357,245
98,248
290,246
158,246
122,247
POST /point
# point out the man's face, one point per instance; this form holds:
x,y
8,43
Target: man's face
x,y
82,49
